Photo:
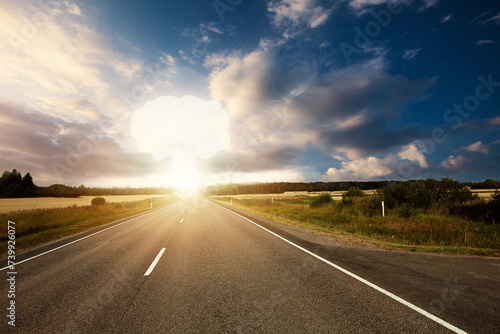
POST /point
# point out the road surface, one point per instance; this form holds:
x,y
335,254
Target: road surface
x,y
197,267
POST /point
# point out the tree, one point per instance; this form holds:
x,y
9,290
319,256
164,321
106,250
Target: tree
x,y
14,190
14,177
28,185
491,184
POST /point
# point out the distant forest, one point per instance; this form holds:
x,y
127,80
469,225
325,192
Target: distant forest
x,y
281,187
14,185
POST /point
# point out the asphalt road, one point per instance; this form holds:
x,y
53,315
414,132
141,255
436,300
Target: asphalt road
x,y
221,273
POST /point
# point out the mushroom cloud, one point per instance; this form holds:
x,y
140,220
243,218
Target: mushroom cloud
x,y
183,128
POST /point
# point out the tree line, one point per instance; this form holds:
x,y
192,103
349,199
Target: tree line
x,y
282,187
14,185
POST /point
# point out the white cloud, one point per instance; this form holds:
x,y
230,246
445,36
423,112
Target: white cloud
x,y
495,19
56,151
484,42
494,121
362,169
407,161
345,113
362,4
411,54
59,65
447,18
73,8
292,15
454,162
201,37
477,147
429,3
412,153
245,82
60,57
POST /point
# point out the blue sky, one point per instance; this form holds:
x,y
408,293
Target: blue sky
x,y
313,90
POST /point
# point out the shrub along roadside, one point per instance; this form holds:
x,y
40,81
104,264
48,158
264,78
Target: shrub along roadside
x,y
352,193
98,201
431,230
321,200
35,227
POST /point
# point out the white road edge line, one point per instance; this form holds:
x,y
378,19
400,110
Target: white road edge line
x,y
88,236
153,265
370,284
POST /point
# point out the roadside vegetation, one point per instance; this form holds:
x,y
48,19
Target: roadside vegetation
x,y
427,215
35,227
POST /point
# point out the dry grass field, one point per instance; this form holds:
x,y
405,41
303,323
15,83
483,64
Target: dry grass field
x,y
483,193
336,195
38,226
16,204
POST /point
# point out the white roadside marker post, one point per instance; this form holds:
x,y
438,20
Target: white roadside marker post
x,y
383,213
151,205
231,200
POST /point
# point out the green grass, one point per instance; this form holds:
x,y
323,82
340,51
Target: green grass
x,y
36,227
432,231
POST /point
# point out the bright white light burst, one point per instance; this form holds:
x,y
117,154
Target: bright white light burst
x,y
184,129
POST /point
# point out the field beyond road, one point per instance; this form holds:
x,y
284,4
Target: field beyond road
x,y
16,204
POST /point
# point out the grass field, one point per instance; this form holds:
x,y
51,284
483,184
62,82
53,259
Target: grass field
x,y
432,232
16,204
39,226
336,195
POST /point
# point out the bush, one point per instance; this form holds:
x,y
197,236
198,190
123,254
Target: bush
x,y
371,205
98,201
479,210
451,192
411,194
350,194
321,200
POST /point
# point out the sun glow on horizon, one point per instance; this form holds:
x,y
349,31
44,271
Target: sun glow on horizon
x,y
184,175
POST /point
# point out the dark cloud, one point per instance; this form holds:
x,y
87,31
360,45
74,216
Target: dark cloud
x,y
372,138
365,89
251,159
56,151
356,109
